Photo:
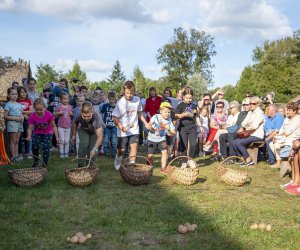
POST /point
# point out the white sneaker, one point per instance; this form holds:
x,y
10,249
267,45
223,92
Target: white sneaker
x,y
118,162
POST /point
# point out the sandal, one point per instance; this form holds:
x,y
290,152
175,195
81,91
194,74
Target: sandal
x,y
293,191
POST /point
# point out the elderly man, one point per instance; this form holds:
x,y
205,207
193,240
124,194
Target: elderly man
x,y
273,122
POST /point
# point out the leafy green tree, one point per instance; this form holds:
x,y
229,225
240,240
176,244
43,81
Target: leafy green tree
x,y
46,73
102,84
187,54
117,78
140,81
198,84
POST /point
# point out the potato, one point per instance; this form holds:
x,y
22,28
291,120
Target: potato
x,y
68,239
181,229
254,226
193,226
188,227
74,239
192,164
88,236
79,234
262,226
269,227
82,239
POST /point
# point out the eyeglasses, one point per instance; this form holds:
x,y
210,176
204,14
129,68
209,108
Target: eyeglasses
x,y
246,104
253,103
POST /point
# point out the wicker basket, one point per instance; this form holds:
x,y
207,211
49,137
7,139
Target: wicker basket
x,y
231,176
28,176
136,174
182,176
83,176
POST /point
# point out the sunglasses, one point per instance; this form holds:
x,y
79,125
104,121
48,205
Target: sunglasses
x,y
219,107
232,107
253,103
246,104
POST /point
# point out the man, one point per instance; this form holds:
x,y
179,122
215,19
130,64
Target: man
x,y
228,138
273,122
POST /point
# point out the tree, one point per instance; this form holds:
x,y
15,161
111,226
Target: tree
x,y
76,73
198,84
46,73
117,78
140,80
187,54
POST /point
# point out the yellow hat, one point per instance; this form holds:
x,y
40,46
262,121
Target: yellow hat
x,y
165,105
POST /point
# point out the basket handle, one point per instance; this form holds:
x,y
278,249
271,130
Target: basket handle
x,y
139,156
26,155
86,159
234,157
176,158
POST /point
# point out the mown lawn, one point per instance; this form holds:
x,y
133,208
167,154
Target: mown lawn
x,y
120,216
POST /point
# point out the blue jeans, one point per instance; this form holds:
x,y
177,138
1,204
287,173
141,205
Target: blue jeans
x,y
271,156
110,137
240,145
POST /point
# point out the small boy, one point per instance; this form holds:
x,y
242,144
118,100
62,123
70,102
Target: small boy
x,y
110,129
125,115
161,126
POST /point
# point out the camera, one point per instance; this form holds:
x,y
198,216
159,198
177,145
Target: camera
x,y
265,99
74,80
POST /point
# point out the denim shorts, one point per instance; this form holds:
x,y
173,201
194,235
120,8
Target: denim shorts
x,y
14,126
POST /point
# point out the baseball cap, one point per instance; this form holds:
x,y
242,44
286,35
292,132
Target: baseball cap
x,y
165,105
246,101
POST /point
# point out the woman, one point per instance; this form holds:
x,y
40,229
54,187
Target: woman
x,y
253,121
217,121
152,104
289,131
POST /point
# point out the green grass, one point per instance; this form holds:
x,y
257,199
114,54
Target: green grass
x,y
121,216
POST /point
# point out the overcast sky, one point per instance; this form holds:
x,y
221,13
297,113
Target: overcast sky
x,y
97,33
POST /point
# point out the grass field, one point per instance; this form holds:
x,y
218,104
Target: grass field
x,y
120,216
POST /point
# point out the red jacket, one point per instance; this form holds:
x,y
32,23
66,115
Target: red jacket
x,y
152,106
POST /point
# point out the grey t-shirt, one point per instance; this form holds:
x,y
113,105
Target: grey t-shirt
x,y
92,125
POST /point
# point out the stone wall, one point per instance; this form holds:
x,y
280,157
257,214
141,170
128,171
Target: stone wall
x,y
12,72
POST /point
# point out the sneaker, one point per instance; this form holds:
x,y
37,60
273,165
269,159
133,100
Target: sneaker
x,y
62,156
251,163
207,148
201,153
184,165
163,170
242,163
66,155
118,162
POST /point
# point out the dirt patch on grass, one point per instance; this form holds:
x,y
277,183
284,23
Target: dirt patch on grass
x,y
141,240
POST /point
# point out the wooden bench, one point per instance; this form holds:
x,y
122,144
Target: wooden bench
x,y
253,149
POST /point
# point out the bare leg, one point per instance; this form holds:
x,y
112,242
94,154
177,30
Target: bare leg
x,y
133,152
150,158
164,157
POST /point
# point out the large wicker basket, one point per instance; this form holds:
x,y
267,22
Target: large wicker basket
x,y
183,176
136,174
82,176
231,176
28,176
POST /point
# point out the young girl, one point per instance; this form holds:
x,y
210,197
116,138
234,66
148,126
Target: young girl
x,y
203,133
14,117
89,127
24,146
64,112
42,121
188,121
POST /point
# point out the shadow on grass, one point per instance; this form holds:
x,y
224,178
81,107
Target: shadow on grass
x,y
118,215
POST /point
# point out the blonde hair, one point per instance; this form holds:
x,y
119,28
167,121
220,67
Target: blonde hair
x,y
256,99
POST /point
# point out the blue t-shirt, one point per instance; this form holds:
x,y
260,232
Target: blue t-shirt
x,y
273,123
13,108
160,127
107,111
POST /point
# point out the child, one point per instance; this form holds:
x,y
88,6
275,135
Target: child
x,y
96,101
32,92
161,125
43,125
64,112
89,127
203,133
76,113
24,146
110,129
188,120
14,117
126,113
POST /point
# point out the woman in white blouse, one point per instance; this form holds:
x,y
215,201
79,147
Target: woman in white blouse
x,y
253,121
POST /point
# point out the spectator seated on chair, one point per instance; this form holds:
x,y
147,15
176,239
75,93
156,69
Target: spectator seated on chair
x,y
253,121
289,131
273,122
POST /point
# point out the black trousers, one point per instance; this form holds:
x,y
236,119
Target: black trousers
x,y
226,144
188,138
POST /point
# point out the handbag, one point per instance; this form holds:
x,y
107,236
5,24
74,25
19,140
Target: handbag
x,y
245,134
232,129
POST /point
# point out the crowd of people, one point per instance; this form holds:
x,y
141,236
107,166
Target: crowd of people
x,y
88,123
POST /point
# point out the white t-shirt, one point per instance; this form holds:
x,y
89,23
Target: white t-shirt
x,y
159,128
126,111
